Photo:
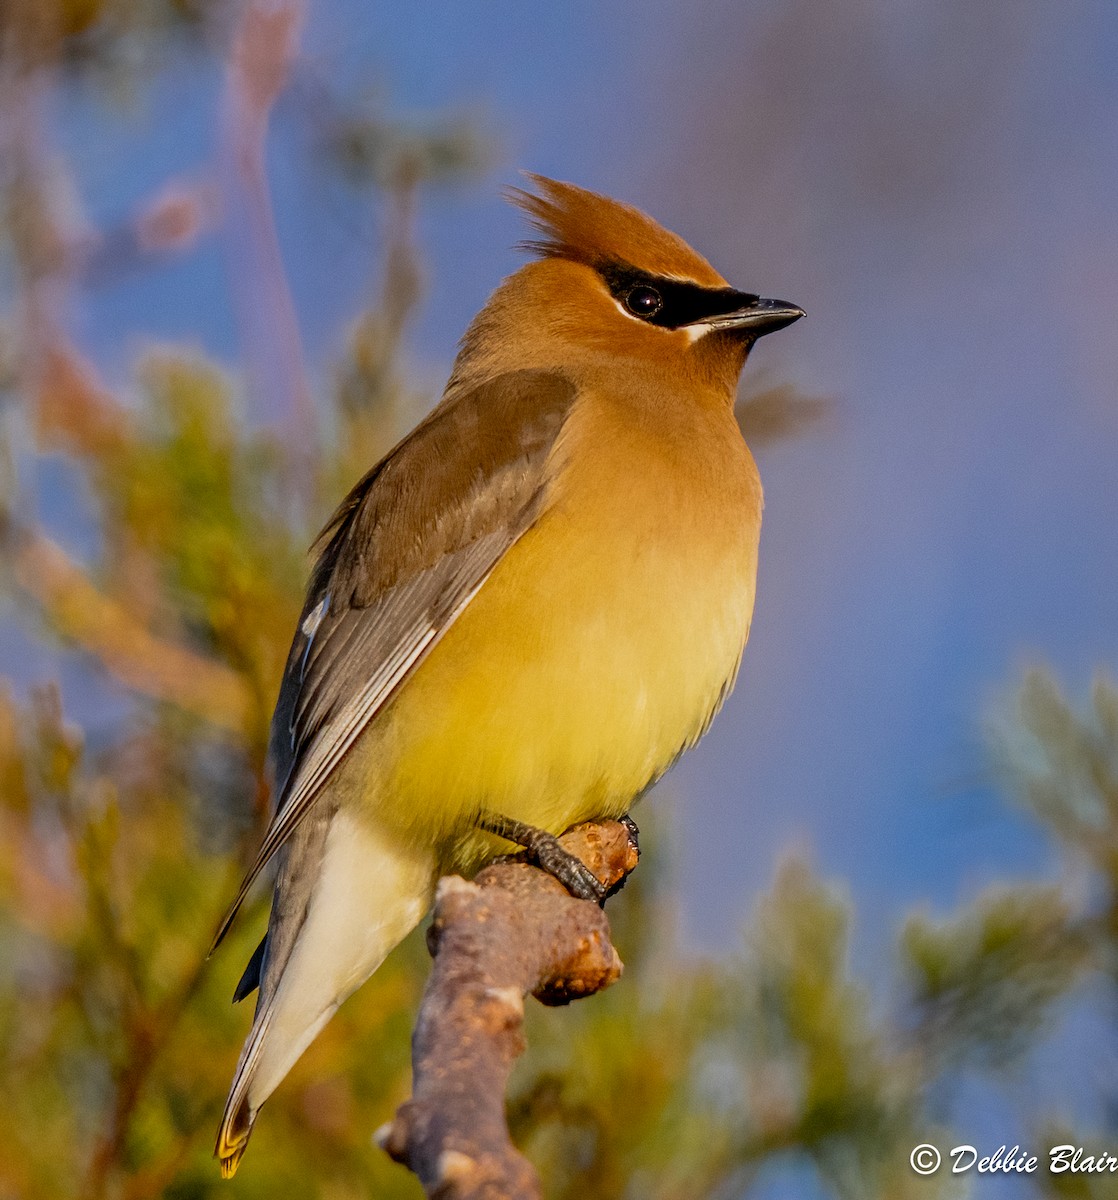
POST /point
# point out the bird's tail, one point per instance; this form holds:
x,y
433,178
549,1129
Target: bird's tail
x,y
239,1116
367,893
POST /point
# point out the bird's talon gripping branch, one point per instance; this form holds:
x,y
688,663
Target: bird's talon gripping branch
x,y
544,850
571,872
634,833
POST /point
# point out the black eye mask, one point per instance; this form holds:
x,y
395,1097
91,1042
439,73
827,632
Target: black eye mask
x,y
670,303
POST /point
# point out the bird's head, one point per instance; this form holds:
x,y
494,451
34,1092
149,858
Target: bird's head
x,y
608,283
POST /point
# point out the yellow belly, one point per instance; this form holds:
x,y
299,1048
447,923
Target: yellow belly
x,y
596,652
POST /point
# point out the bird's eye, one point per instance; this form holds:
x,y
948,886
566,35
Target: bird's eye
x,y
644,302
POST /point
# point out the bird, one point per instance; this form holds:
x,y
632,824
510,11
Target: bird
x,y
519,618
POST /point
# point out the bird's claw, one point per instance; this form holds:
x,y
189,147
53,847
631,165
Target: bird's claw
x,y
634,833
544,850
567,868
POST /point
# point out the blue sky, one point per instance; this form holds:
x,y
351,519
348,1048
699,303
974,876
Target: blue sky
x,y
936,188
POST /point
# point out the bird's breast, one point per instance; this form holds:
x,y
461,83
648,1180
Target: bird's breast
x,y
603,642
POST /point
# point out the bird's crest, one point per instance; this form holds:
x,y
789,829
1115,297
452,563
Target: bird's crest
x,y
586,227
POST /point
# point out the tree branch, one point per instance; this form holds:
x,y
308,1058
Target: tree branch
x,y
511,932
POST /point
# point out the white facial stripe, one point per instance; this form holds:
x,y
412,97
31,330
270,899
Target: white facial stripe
x,y
625,312
692,332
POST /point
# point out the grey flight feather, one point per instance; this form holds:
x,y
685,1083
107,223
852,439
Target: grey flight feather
x,y
400,559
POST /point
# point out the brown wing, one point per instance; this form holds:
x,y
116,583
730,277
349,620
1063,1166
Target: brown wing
x,y
403,555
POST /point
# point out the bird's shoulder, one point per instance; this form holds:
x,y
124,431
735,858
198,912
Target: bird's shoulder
x,y
474,465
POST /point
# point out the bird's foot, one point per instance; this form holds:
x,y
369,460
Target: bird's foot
x,y
570,870
544,850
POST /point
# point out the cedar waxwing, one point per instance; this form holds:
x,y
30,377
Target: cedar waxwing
x,y
520,618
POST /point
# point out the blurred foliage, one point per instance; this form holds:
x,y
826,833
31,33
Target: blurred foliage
x,y
111,42
120,847
983,981
1063,766
689,1078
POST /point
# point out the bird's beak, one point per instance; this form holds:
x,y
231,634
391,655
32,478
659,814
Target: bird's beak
x,y
757,318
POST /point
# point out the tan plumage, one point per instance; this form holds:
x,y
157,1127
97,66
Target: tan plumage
x,y
529,608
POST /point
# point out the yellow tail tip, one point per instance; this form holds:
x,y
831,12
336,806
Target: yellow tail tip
x,y
232,1138
230,1162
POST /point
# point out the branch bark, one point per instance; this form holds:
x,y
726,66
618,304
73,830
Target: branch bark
x,y
514,931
